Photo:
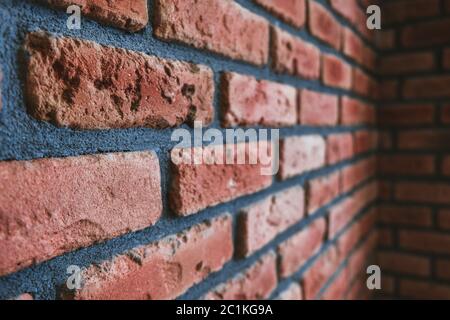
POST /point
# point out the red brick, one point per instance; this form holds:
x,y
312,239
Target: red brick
x,y
412,9
318,109
446,166
98,197
365,141
352,236
386,237
192,182
446,58
339,147
385,189
223,27
354,112
403,63
319,273
427,87
433,139
445,114
291,11
360,258
406,164
425,241
342,213
357,173
388,89
363,84
438,193
131,15
161,270
323,25
336,72
406,115
404,263
263,221
255,283
426,33
301,154
322,190
444,219
295,252
338,287
293,292
294,56
424,290
405,215
250,102
352,45
385,39
385,140
443,269
349,9
84,85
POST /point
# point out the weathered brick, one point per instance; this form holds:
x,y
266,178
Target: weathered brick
x,y
403,63
353,235
337,289
221,26
255,283
365,141
251,102
318,109
358,172
336,72
406,114
323,25
52,206
406,164
84,85
263,221
405,215
363,84
339,147
131,15
291,11
427,87
295,252
294,56
192,182
161,270
301,154
404,263
322,190
354,111
427,192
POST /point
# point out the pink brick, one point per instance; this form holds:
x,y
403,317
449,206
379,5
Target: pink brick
x,y
336,72
339,147
251,102
318,109
221,26
161,270
291,11
323,25
320,191
354,112
263,221
98,197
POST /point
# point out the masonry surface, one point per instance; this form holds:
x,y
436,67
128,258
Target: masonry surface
x,y
88,175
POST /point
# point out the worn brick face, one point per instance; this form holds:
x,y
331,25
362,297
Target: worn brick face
x,y
98,197
84,85
336,72
163,269
291,11
221,26
323,25
318,109
131,15
322,190
251,102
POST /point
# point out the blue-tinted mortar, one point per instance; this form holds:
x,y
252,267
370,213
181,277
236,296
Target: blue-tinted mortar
x,y
22,138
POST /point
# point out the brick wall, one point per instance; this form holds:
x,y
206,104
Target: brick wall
x,y
87,169
413,160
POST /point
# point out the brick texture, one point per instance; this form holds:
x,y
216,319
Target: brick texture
x,y
318,109
291,11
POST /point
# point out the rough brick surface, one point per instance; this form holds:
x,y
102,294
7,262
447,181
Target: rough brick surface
x,y
291,11
263,221
255,283
323,25
336,72
221,26
354,111
317,109
425,241
131,15
294,56
197,186
83,85
301,154
98,197
358,172
251,102
339,147
163,269
295,251
365,141
320,191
